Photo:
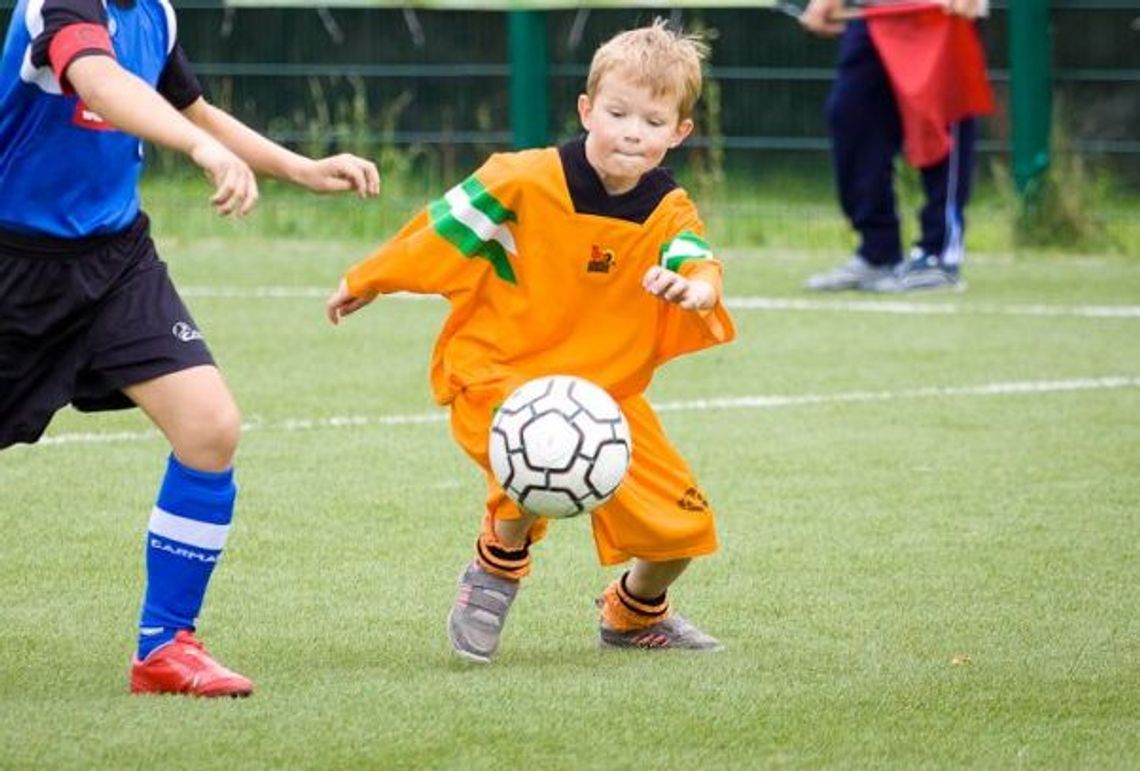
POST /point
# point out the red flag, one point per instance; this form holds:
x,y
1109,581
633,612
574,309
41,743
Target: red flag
x,y
937,69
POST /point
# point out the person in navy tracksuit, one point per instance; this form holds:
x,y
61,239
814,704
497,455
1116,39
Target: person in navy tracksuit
x,y
88,313
866,137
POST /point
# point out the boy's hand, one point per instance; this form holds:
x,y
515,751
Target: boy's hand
x,y
341,173
817,18
235,186
971,9
341,303
672,287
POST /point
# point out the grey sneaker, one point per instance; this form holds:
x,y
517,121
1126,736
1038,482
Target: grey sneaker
x,y
673,632
856,273
476,619
921,272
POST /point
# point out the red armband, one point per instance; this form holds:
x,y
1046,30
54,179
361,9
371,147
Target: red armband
x,y
72,41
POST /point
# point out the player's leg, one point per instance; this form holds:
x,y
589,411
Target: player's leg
x,y
46,309
936,260
146,350
196,413
187,532
644,618
489,583
649,579
947,186
866,135
660,517
82,330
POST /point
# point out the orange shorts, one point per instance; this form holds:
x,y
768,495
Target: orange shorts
x,y
658,514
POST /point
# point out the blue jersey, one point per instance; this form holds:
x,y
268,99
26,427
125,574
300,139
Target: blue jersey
x,y
64,171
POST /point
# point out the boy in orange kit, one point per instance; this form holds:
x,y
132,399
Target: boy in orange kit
x,y
584,259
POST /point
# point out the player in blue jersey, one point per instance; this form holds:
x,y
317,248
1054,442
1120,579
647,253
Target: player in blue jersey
x,y
88,314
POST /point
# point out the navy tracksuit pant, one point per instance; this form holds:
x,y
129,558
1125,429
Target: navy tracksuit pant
x,y
866,136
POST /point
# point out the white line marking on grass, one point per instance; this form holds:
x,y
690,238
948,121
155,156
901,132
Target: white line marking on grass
x,y
255,292
930,309
289,424
1015,388
897,307
990,389
272,292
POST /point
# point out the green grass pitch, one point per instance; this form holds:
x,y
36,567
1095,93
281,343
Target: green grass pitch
x,y
929,510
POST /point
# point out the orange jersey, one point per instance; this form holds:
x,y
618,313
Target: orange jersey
x,y
543,273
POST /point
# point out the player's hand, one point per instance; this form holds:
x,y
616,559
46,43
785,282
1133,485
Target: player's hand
x,y
339,174
672,287
235,186
342,303
818,19
971,9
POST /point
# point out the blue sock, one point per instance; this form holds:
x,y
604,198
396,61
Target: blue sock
x,y
188,528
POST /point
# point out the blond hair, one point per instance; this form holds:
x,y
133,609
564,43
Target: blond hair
x,y
667,61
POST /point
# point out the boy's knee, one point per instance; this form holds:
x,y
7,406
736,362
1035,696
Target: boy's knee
x,y
210,439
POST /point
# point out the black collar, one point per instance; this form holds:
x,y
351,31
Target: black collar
x,y
590,197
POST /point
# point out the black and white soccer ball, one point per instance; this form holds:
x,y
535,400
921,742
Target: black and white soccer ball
x,y
560,446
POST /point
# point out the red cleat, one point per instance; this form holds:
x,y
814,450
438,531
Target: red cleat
x,y
183,666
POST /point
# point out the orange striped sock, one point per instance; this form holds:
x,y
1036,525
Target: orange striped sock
x,y
622,611
492,556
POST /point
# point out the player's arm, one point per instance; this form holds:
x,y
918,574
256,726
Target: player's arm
x,y
700,318
694,293
686,273
447,247
131,105
343,302
971,9
337,173
416,259
820,17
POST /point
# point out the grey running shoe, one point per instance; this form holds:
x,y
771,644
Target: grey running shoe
x,y
921,272
856,273
476,619
673,632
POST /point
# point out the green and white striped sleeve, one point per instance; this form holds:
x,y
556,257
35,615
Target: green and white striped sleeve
x,y
475,222
686,246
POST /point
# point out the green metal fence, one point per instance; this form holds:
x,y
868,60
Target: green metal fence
x,y
340,75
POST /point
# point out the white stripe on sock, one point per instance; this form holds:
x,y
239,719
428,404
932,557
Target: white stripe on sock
x,y
191,532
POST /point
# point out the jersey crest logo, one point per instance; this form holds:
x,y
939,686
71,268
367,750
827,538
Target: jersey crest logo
x,y
601,260
85,117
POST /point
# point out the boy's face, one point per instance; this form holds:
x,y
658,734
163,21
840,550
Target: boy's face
x,y
630,130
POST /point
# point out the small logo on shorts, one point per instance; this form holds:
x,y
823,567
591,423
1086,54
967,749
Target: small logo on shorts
x,y
185,332
693,500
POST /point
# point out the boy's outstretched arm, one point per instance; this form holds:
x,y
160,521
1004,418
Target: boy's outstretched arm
x,y
342,302
131,105
334,174
691,294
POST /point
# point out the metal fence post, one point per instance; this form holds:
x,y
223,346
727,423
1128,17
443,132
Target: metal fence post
x,y
1030,89
526,33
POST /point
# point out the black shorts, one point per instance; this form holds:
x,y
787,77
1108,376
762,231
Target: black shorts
x,y
82,319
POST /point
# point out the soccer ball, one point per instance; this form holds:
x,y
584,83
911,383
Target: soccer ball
x,y
559,446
